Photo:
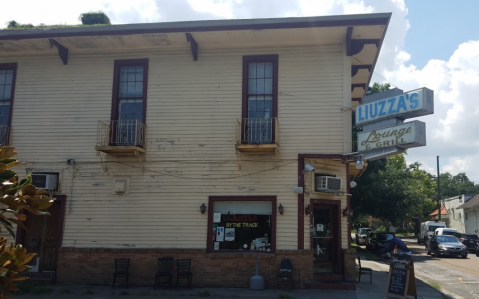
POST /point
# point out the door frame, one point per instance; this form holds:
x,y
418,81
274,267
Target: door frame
x,y
61,199
335,205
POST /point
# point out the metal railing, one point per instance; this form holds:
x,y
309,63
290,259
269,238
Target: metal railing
x,y
257,131
130,132
4,135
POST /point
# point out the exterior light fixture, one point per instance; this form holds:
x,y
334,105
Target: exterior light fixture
x,y
280,209
307,210
359,161
309,168
347,212
203,208
298,190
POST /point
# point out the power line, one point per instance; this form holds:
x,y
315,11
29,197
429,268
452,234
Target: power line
x,y
377,73
208,179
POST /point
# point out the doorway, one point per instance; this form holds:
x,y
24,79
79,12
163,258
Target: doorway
x,y
326,237
43,236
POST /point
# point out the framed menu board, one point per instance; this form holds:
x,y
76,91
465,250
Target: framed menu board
x,y
401,280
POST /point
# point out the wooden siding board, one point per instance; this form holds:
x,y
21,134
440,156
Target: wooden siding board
x,y
191,118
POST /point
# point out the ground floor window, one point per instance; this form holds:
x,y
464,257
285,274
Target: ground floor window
x,y
240,223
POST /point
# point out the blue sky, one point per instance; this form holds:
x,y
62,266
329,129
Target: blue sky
x,y
438,27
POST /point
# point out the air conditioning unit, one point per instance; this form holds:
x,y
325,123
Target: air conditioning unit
x,y
45,181
327,183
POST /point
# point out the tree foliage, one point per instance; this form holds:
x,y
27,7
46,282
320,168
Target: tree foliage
x,y
90,19
455,185
94,18
377,87
16,195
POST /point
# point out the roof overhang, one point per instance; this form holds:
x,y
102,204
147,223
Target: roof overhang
x,y
363,35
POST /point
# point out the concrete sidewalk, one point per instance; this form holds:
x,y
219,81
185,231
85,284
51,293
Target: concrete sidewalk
x,y
364,290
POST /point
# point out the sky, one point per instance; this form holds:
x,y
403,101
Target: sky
x,y
429,43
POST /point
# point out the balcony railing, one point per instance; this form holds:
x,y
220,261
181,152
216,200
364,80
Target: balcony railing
x,y
4,135
121,136
257,134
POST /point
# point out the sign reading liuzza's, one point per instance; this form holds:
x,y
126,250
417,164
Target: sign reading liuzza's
x,y
414,103
411,134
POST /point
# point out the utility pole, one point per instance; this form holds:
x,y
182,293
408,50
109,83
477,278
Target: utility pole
x,y
438,190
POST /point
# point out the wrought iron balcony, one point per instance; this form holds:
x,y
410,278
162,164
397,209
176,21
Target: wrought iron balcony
x,y
4,135
121,136
257,134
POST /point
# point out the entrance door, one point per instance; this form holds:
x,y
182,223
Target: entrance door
x,y
43,236
325,239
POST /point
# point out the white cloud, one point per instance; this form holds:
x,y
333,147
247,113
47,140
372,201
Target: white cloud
x,y
450,131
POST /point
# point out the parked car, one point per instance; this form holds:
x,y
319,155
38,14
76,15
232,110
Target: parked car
x,y
378,240
445,231
447,245
470,240
477,249
362,235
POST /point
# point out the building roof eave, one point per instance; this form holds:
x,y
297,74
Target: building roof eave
x,y
196,26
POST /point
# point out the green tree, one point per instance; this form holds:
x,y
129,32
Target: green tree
x,y
377,87
15,25
456,185
94,18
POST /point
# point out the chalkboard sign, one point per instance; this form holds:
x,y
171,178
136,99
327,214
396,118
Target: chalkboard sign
x,y
401,281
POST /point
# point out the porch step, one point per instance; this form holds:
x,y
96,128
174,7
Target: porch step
x,y
328,277
342,285
44,278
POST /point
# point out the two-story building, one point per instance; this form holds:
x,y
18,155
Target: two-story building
x,y
462,213
219,141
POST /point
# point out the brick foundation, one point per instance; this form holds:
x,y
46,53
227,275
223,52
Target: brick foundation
x,y
349,264
96,266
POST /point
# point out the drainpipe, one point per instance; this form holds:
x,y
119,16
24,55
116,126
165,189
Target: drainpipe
x,y
300,203
348,203
477,227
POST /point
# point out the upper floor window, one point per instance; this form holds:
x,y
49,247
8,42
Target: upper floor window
x,y
129,100
7,88
260,97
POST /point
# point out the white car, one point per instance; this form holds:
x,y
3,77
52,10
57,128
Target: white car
x,y
362,235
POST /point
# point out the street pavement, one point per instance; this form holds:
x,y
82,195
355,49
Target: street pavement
x,y
456,276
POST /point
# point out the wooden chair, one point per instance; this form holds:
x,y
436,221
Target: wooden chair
x,y
165,267
285,273
183,267
122,269
365,271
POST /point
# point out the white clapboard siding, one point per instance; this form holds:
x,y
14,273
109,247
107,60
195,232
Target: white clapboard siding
x,y
192,108
325,166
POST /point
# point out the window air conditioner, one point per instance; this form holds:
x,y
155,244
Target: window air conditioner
x,y
327,183
45,181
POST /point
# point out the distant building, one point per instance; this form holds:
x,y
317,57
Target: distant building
x,y
470,210
435,215
456,216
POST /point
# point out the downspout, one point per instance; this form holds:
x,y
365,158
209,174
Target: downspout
x,y
477,227
300,203
348,203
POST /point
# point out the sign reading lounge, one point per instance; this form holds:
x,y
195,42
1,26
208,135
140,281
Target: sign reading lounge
x,y
407,135
411,104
